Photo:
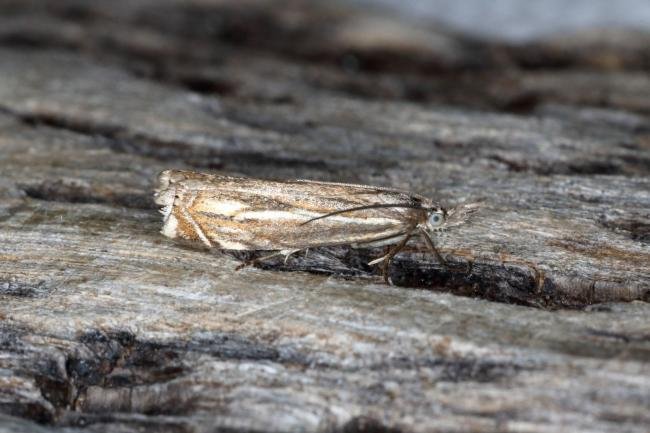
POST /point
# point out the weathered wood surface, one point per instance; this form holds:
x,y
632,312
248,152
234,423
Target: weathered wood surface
x,y
108,325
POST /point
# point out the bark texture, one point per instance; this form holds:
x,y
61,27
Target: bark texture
x,y
539,323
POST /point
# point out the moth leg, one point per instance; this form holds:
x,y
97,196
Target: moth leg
x,y
285,253
433,248
388,257
258,260
380,259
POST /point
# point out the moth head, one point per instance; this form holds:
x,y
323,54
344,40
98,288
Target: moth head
x,y
436,219
439,219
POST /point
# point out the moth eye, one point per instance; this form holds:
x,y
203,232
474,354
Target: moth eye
x,y
436,219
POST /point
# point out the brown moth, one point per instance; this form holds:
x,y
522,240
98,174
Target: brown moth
x,y
238,213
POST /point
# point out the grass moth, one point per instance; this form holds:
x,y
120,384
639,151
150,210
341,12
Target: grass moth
x,y
238,213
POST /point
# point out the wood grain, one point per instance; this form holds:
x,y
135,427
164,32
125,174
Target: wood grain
x,y
539,323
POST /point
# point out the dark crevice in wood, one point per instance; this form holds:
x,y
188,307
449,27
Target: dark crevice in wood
x,y
86,421
161,361
483,88
26,41
368,424
499,282
459,370
121,141
509,283
636,228
479,79
117,360
512,283
66,192
576,168
625,338
11,287
207,85
118,140
31,411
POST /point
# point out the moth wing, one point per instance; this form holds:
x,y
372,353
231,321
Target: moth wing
x,y
251,214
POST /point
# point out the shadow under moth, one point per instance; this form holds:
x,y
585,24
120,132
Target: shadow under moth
x,y
238,213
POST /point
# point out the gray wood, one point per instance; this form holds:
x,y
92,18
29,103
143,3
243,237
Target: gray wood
x,y
540,323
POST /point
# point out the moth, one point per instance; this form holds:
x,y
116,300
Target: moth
x,y
238,213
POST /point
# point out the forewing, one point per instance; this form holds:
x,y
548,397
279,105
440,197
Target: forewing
x,y
250,214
